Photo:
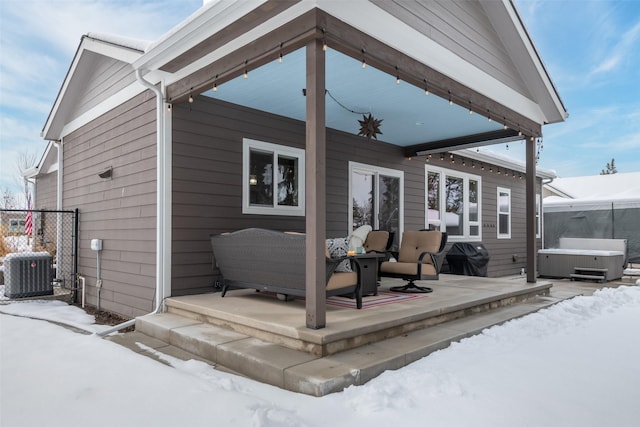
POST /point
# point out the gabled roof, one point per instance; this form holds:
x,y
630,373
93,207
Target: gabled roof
x,y
475,54
48,163
95,54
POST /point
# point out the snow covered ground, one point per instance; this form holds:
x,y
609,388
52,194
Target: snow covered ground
x,y
574,364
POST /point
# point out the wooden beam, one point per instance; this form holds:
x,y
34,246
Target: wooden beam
x,y
478,139
297,33
530,195
315,194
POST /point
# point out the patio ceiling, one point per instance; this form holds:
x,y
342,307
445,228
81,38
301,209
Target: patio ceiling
x,y
409,116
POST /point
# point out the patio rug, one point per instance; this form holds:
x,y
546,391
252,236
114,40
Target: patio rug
x,y
383,298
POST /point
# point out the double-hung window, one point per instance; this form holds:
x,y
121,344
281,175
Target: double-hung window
x,y
504,213
272,179
453,203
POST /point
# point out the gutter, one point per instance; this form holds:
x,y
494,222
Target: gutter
x,y
163,213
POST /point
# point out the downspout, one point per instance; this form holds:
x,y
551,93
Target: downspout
x,y
161,220
59,181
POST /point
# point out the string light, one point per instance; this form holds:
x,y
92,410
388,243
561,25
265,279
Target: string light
x,y
504,119
280,55
450,101
246,73
489,116
426,88
324,40
364,60
441,156
215,87
190,99
470,110
169,107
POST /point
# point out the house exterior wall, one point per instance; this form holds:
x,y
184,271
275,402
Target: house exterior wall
x,y
207,190
508,255
121,210
47,191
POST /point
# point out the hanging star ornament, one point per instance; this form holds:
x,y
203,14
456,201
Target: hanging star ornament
x,y
370,127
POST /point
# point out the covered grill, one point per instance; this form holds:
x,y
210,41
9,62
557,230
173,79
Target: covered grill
x,y
468,259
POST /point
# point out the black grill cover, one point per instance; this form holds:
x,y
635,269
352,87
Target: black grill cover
x,y
468,259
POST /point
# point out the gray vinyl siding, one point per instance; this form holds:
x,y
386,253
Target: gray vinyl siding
x,y
120,210
501,251
108,77
47,191
207,175
462,27
207,191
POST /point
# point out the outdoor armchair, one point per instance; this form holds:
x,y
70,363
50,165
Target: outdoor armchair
x,y
420,257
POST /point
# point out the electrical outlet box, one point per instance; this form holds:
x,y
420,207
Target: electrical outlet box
x,y
96,244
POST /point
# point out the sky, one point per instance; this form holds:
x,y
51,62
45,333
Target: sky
x,y
573,364
590,48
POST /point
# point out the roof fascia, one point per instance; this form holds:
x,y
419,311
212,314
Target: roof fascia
x,y
506,11
100,47
194,30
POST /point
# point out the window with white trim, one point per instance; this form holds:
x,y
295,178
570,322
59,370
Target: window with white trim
x,y
272,179
504,213
376,198
453,202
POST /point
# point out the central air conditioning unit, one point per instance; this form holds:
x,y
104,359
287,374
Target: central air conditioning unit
x,y
28,274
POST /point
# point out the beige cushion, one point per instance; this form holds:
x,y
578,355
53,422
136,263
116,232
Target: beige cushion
x,y
376,241
407,268
342,280
416,242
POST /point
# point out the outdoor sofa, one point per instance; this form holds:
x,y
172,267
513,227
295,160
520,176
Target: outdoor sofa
x,y
274,261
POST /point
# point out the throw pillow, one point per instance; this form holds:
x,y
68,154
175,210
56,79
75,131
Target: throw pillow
x,y
358,236
338,248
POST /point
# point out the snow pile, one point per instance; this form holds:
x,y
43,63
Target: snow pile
x,y
575,363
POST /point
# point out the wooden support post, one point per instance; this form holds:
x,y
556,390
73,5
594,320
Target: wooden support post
x,y
530,195
315,194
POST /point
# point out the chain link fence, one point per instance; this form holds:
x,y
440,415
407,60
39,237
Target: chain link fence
x,y
38,254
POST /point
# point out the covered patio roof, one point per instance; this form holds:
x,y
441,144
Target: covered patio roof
x,y
506,83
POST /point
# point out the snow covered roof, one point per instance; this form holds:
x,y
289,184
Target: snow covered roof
x,y
619,190
127,42
597,187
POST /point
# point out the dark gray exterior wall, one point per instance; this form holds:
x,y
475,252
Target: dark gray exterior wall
x,y
207,174
120,210
502,251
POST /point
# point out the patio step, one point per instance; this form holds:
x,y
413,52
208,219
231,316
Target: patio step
x,y
302,372
590,273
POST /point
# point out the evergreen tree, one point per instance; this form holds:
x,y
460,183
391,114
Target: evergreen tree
x,y
611,168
